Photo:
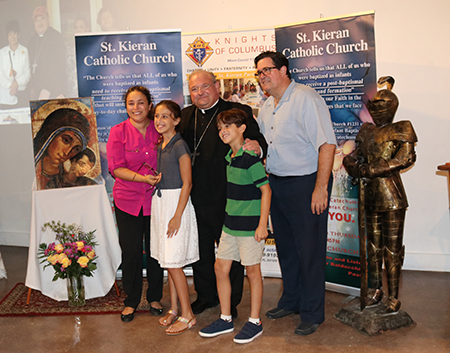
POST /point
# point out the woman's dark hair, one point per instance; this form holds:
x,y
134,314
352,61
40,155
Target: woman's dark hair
x,y
57,122
146,93
174,109
278,59
13,26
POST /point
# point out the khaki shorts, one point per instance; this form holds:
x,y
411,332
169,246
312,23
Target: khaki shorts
x,y
242,249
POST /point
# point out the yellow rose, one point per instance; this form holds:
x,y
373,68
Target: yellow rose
x,y
80,245
61,257
91,254
59,248
53,259
65,262
83,261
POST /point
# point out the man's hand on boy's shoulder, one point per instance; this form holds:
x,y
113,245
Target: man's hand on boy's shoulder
x,y
252,145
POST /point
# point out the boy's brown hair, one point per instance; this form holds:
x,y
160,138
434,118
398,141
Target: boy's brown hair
x,y
232,116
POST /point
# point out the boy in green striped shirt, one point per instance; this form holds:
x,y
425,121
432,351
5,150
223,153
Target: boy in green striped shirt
x,y
245,227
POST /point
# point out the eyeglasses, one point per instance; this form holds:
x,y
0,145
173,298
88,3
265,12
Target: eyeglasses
x,y
203,87
147,169
266,71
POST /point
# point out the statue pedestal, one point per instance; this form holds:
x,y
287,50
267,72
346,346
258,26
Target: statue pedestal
x,y
371,320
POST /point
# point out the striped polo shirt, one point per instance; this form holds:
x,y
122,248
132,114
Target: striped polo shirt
x,y
245,175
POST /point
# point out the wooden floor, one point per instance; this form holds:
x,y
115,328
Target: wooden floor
x,y
425,297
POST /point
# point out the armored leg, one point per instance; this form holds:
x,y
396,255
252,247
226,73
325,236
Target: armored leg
x,y
394,254
375,258
375,255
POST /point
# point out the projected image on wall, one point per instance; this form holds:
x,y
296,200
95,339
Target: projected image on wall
x,y
37,55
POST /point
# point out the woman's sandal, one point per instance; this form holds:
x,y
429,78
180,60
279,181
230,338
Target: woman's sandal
x,y
164,321
188,323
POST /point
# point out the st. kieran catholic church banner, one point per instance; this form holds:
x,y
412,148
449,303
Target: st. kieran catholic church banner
x,y
337,57
108,64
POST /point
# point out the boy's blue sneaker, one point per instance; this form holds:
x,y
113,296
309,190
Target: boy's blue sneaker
x,y
218,327
248,333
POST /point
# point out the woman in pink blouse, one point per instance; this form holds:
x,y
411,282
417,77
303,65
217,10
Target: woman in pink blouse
x,y
131,151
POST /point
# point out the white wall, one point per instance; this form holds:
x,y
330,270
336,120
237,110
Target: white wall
x,y
411,45
16,179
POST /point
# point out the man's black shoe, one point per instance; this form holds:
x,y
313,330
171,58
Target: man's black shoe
x,y
306,328
198,306
277,313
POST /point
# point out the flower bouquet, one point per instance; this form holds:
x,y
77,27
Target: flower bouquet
x,y
72,256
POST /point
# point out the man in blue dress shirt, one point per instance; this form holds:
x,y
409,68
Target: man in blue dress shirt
x,y
296,124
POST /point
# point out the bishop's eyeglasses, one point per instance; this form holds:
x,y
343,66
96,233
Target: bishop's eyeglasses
x,y
203,88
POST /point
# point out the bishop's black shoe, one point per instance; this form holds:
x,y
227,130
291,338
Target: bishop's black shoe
x,y
200,306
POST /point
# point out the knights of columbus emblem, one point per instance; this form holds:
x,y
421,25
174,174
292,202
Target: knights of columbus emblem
x,y
199,51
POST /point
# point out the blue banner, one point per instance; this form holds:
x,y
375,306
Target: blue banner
x,y
108,64
337,58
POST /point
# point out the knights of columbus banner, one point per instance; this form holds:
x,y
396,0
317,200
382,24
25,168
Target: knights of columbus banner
x,y
229,55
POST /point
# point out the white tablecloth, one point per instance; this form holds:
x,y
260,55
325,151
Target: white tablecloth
x,y
2,268
88,206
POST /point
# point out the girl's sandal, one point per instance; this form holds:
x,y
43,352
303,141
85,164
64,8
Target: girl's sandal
x,y
168,319
189,324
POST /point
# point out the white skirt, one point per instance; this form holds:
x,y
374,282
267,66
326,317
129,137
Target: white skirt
x,y
182,248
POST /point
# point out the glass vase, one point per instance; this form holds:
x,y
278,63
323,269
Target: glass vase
x,y
75,291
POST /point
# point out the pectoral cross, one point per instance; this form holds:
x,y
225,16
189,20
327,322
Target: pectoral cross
x,y
34,66
193,155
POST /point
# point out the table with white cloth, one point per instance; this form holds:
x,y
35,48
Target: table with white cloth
x,y
89,207
2,268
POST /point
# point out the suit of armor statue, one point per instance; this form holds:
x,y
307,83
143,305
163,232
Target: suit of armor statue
x,y
382,151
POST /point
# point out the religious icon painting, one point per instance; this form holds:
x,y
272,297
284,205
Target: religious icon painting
x,y
65,143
